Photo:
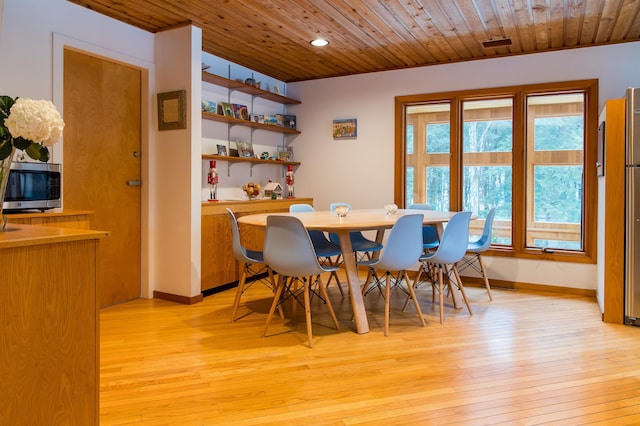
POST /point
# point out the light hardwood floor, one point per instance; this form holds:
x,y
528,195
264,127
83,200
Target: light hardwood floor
x,y
526,358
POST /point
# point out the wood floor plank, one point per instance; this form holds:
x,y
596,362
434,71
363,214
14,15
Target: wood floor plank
x,y
528,357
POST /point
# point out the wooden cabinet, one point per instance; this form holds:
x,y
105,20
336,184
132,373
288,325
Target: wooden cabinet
x,y
49,323
219,266
614,226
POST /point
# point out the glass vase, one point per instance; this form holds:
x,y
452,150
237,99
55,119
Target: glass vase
x,y
5,168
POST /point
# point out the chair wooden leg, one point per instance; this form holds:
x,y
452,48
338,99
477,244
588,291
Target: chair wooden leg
x,y
276,300
323,292
274,286
415,299
387,306
239,291
484,275
307,311
414,285
334,275
367,282
461,287
294,302
412,295
440,292
453,297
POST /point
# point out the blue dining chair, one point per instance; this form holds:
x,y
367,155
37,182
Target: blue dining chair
x,y
289,251
251,266
402,250
452,248
325,249
478,246
359,242
430,238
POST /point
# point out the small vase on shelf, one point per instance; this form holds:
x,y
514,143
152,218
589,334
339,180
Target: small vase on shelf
x,y
5,169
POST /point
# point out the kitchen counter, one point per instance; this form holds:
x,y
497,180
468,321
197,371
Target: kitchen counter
x,y
49,325
21,235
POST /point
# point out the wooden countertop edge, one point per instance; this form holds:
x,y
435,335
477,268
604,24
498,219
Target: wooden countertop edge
x,y
217,207
19,235
48,213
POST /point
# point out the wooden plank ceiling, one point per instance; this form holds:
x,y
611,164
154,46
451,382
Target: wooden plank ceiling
x,y
272,36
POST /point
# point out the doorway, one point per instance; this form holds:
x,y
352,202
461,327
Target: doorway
x,y
102,166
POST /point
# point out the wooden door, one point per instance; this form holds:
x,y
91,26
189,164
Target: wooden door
x,y
101,172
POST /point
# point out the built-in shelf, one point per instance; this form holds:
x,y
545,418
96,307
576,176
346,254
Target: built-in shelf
x,y
245,88
248,123
247,160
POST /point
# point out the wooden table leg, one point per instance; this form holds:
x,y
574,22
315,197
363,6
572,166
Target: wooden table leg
x,y
355,293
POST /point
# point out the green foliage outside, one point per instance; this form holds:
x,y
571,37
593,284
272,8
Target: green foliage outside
x,y
557,189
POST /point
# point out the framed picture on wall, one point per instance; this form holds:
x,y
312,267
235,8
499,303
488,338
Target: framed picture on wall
x,y
345,128
172,112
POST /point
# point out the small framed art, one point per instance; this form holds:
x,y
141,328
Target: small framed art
x,y
222,150
227,109
285,155
345,128
233,149
245,149
172,110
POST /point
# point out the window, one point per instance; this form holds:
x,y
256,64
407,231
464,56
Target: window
x,y
522,150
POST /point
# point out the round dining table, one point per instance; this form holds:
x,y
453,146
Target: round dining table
x,y
356,220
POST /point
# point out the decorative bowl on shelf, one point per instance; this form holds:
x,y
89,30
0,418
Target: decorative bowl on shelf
x,y
252,190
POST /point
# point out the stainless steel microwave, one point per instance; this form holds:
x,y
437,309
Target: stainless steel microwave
x,y
33,186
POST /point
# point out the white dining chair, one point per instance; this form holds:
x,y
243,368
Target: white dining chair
x,y
289,251
402,250
252,266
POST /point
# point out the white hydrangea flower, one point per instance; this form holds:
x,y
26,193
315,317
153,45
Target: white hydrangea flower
x,y
37,121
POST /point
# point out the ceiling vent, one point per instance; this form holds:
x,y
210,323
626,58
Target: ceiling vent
x,y
497,43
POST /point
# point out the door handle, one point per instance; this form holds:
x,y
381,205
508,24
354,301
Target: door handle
x,y
134,182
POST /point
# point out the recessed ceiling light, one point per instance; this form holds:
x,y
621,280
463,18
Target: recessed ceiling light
x,y
319,42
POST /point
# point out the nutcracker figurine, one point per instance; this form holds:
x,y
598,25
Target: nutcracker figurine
x,y
289,180
212,179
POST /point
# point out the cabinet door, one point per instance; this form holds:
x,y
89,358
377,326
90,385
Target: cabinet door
x,y
252,237
219,266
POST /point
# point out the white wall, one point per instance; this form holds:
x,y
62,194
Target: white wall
x,y
361,171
